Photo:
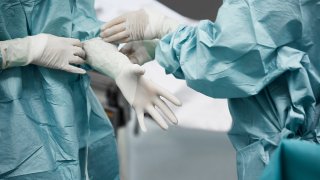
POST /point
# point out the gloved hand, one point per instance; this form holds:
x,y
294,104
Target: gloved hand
x,y
43,50
142,94
140,52
145,24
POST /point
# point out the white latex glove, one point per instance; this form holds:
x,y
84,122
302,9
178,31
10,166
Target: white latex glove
x,y
145,24
43,50
142,94
140,52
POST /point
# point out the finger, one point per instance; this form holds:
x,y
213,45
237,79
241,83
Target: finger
x,y
74,42
124,40
113,30
127,49
78,51
157,117
117,37
166,110
76,60
138,70
113,22
73,69
134,59
169,96
140,116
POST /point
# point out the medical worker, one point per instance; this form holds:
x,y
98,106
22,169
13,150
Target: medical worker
x,y
263,55
52,126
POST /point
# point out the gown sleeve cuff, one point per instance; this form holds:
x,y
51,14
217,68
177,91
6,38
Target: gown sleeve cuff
x,y
168,51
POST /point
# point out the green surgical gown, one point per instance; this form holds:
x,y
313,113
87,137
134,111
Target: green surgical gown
x,y
264,57
52,126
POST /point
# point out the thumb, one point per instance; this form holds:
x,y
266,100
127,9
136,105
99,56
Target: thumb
x,y
126,49
73,69
138,70
134,59
140,117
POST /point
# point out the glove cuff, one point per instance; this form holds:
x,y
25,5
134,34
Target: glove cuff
x,y
169,26
159,25
21,51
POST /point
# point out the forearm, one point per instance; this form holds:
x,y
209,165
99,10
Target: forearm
x,y
104,57
233,57
85,24
18,52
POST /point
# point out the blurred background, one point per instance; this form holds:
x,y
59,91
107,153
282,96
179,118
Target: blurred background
x,y
197,149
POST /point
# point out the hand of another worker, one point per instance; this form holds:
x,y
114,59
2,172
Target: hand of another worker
x,y
142,94
43,50
140,52
145,24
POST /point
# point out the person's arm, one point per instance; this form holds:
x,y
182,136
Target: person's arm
x,y
142,94
144,24
42,50
239,54
85,24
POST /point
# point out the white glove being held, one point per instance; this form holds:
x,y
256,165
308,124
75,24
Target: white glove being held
x,y
140,52
145,24
43,50
142,94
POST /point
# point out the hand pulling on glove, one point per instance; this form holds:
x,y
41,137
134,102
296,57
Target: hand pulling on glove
x,y
145,24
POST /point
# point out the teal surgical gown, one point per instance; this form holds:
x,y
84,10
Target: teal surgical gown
x,y
294,160
52,126
264,57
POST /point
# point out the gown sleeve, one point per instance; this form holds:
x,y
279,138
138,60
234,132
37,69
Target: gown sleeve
x,y
240,53
85,24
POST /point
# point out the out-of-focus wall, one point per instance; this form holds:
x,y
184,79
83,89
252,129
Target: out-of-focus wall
x,y
199,9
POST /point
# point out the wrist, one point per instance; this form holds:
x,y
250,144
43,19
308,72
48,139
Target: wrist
x,y
150,47
105,57
122,66
169,26
159,24
37,44
127,81
22,51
